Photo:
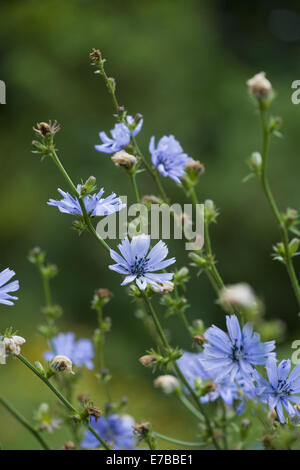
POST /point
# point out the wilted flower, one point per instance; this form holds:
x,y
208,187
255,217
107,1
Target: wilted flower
x,y
13,344
5,297
123,158
169,157
80,352
238,296
168,383
95,205
62,363
116,430
260,87
235,352
121,136
281,389
138,264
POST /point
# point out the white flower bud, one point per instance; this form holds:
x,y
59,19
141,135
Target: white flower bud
x,y
165,287
260,87
168,383
61,363
256,160
13,344
123,158
238,295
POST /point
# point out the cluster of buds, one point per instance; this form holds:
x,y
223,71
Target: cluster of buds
x,y
279,252
88,187
124,159
143,433
62,364
260,87
168,383
211,212
101,297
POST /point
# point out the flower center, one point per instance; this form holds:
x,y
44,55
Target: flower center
x,y
237,353
139,267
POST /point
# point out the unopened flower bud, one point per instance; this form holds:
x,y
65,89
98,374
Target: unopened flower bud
x,y
272,415
199,339
150,200
147,360
238,295
69,445
124,159
194,167
260,87
61,363
255,161
95,55
164,287
142,428
168,383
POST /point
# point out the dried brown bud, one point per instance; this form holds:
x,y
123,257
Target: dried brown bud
x,y
93,411
147,360
44,129
142,428
195,167
272,415
69,445
83,397
95,55
124,159
103,293
199,339
150,200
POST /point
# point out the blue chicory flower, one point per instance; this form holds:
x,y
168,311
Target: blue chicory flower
x,y
5,297
281,389
95,205
192,368
139,265
235,353
80,352
121,136
169,157
116,430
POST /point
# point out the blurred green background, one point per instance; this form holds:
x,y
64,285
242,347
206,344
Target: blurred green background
x,y
183,65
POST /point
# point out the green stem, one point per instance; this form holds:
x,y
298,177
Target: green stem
x,y
224,424
186,402
101,349
267,190
177,441
178,370
60,396
86,217
135,187
24,422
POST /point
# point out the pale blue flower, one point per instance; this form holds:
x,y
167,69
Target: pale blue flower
x,y
192,368
95,205
116,430
169,157
235,352
282,389
80,352
139,265
121,136
5,297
